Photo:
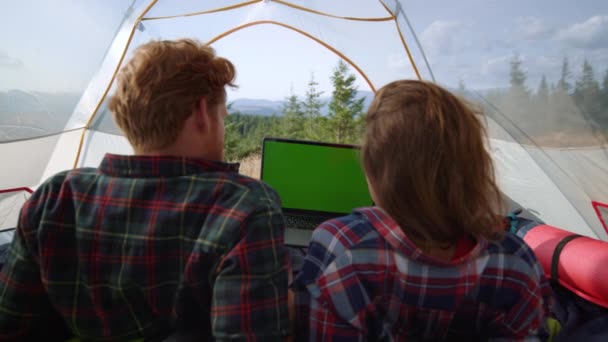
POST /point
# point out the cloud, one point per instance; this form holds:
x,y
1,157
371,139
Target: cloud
x,y
397,60
9,62
496,65
532,28
441,37
591,34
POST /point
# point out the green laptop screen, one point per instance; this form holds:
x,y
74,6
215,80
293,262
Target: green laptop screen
x,y
315,177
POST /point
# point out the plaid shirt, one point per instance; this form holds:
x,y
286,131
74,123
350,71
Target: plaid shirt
x,y
144,246
364,280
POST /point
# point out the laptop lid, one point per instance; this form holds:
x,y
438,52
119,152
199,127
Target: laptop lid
x,y
314,177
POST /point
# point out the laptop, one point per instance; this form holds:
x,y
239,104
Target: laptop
x,y
316,182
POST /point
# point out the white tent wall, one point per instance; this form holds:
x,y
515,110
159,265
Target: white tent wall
x,y
23,162
344,39
94,144
410,39
94,147
556,185
343,8
6,237
547,181
10,206
35,160
587,167
602,211
98,85
97,144
63,155
11,201
39,107
580,174
524,181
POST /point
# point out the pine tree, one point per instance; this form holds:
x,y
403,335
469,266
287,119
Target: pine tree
x,y
587,92
603,117
293,118
543,90
605,83
231,135
564,84
244,134
539,113
345,110
605,87
517,101
462,89
518,77
311,107
552,88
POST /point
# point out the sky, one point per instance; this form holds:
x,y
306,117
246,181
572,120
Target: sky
x,y
58,46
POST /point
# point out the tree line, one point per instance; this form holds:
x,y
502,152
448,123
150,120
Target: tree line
x,y
571,110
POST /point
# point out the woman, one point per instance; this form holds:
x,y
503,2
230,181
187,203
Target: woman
x,y
431,261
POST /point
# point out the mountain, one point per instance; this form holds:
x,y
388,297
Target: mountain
x,y
257,106
268,107
29,114
24,114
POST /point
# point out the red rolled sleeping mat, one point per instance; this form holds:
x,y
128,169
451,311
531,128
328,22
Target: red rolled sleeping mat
x,y
578,263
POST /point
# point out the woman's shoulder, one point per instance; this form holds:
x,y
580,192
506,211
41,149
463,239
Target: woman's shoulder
x,y
345,231
337,238
511,245
513,258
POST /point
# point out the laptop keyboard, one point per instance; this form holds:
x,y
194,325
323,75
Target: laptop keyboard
x,y
303,221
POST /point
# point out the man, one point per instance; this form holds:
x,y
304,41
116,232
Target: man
x,y
166,241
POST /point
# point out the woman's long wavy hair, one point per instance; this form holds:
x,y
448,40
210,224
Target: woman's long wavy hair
x,y
427,162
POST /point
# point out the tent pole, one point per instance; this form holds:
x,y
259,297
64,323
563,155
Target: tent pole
x,y
105,93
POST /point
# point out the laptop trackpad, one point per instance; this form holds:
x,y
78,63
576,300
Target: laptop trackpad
x,y
297,237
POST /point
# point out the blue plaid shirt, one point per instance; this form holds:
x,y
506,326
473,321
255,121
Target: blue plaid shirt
x,y
363,280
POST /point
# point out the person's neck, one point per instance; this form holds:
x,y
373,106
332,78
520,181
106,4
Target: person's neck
x,y
438,251
177,152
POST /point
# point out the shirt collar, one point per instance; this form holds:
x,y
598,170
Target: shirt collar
x,y
389,229
160,166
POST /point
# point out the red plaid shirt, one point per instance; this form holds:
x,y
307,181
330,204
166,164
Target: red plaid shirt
x,y
363,280
144,246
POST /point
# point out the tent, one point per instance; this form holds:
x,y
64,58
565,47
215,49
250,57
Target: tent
x,y
57,73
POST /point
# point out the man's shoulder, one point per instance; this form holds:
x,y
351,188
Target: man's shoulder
x,y
58,180
54,181
52,192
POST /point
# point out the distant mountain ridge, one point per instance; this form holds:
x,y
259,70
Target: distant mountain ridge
x,y
25,114
275,107
257,106
60,105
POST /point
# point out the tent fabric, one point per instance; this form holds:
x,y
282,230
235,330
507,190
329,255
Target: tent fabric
x,y
533,190
602,213
11,201
551,178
